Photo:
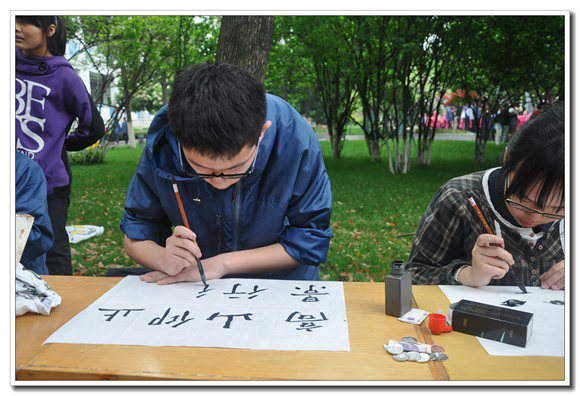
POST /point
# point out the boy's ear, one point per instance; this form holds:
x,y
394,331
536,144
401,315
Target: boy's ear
x,y
266,126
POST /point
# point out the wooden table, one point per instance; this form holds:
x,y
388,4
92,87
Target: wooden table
x,y
369,328
468,360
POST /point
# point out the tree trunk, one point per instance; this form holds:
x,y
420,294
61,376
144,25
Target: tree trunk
x,y
164,90
421,154
130,131
399,162
407,156
306,112
429,150
335,141
245,41
389,158
396,143
336,146
481,138
374,146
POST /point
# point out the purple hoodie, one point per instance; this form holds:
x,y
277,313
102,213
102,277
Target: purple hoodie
x,y
49,97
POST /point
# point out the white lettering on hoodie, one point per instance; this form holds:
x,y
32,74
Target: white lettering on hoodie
x,y
25,109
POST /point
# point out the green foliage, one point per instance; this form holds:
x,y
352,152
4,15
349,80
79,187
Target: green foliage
x,y
141,53
290,73
150,99
323,43
401,66
88,156
531,49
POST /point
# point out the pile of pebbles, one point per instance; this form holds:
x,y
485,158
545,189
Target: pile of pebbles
x,y
410,349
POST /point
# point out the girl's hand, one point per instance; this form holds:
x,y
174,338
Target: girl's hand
x,y
554,277
490,261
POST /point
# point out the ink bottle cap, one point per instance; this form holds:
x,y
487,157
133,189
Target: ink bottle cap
x,y
398,267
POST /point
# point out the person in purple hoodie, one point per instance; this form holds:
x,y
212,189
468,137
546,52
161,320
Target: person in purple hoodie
x,y
50,96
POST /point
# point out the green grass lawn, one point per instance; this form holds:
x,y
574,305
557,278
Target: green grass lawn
x,y
98,198
373,210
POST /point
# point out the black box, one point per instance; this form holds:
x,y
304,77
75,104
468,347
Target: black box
x,y
494,323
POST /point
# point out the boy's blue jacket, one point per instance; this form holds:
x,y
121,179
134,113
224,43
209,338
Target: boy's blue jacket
x,y
30,198
286,198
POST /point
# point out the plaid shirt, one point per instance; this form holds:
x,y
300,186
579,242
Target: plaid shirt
x,y
450,227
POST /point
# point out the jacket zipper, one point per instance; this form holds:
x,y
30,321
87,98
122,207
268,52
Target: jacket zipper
x,y
218,225
237,203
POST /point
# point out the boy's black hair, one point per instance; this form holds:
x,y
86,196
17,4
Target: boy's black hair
x,y
217,109
536,155
56,44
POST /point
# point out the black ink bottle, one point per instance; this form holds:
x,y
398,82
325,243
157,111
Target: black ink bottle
x,y
398,290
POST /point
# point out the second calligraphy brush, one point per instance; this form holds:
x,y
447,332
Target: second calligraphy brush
x,y
175,189
489,231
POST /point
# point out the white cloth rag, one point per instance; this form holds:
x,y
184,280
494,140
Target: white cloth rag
x,y
33,294
77,233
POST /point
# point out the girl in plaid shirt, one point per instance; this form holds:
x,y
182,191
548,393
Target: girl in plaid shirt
x,y
523,203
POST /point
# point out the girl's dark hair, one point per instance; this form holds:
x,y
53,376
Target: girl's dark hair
x,y
217,109
56,44
536,155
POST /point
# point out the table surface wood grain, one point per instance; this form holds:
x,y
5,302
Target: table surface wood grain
x,y
369,328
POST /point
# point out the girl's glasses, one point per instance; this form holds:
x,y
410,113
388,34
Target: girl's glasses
x,y
527,209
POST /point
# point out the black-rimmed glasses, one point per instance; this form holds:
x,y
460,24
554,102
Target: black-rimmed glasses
x,y
527,209
212,175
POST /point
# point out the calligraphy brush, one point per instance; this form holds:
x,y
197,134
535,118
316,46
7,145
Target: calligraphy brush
x,y
199,267
489,231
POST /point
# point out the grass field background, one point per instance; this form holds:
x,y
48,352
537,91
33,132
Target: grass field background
x,y
374,212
